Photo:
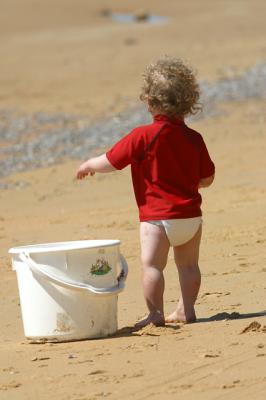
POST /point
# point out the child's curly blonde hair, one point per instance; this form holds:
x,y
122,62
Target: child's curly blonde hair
x,y
170,86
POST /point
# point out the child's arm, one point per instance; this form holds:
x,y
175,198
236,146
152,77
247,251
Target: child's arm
x,y
95,164
205,182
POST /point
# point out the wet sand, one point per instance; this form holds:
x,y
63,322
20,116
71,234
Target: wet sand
x,y
223,354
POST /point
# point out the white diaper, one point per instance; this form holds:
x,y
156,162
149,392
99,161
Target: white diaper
x,y
179,231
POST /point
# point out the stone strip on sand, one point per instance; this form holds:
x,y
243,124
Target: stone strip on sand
x,y
38,140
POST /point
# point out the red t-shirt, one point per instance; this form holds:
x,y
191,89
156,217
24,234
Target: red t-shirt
x,y
166,168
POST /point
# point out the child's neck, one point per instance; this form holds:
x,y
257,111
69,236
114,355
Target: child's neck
x,y
160,112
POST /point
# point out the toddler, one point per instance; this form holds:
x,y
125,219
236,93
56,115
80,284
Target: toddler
x,y
169,163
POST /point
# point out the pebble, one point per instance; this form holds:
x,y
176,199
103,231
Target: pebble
x,y
39,358
72,356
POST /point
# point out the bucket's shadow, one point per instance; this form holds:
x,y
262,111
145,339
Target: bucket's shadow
x,y
231,316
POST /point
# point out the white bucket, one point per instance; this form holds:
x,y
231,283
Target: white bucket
x,y
69,290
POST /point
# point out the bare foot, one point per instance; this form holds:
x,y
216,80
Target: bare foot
x,y
156,318
178,316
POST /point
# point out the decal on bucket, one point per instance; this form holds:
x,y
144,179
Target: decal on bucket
x,y
101,267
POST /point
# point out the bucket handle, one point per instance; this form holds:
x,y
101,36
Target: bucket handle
x,y
35,268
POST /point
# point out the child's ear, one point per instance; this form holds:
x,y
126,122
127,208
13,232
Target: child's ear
x,y
150,108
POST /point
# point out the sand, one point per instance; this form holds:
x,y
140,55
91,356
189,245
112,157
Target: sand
x,y
59,57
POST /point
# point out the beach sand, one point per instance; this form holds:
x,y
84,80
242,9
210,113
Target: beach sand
x,y
65,56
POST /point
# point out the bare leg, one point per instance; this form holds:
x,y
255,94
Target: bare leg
x,y
154,252
186,259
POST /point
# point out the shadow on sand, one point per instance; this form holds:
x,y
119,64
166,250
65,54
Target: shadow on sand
x,y
229,316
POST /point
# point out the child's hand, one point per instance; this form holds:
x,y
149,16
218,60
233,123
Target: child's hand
x,y
95,164
205,182
84,170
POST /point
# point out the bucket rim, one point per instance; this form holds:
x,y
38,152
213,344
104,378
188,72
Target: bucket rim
x,y
64,246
